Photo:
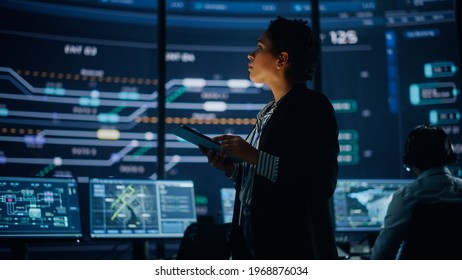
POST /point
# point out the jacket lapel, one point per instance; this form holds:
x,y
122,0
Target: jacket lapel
x,y
281,108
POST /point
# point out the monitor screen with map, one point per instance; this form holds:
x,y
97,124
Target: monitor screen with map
x,y
140,208
361,204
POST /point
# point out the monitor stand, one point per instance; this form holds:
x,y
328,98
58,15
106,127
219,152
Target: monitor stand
x,y
371,237
19,250
141,250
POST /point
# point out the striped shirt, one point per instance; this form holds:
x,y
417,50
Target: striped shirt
x,y
267,164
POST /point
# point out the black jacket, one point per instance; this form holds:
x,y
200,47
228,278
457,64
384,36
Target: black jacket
x,y
291,219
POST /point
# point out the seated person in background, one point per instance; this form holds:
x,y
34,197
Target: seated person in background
x,y
427,152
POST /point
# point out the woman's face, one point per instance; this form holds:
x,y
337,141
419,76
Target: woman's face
x,y
262,64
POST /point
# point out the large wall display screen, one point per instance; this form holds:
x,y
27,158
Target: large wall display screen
x,y
78,83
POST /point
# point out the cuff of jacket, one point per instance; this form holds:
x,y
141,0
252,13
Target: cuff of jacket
x,y
267,166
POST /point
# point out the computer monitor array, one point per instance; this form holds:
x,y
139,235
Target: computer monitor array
x,y
127,208
360,205
39,208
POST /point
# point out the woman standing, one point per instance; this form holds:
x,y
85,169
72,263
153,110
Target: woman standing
x,y
289,170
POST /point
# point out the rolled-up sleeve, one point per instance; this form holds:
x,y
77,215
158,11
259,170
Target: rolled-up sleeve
x,y
267,166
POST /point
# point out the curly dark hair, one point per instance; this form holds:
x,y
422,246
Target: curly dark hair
x,y
297,39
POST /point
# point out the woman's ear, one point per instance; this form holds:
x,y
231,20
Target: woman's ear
x,y
282,60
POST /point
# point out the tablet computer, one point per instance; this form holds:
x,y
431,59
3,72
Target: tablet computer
x,y
199,139
196,138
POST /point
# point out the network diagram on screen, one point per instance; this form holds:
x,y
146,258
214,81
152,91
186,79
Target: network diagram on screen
x,y
37,207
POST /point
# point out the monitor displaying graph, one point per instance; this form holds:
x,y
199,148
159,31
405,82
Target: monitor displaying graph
x,y
141,208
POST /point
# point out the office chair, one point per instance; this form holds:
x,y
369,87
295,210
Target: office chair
x,y
205,241
435,232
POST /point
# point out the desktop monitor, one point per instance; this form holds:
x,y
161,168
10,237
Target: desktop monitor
x,y
39,208
360,205
227,196
140,208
